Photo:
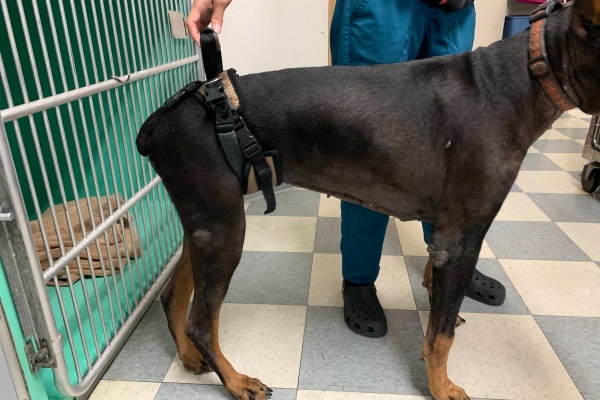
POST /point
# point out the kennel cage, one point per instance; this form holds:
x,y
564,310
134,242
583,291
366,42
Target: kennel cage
x,y
590,176
87,232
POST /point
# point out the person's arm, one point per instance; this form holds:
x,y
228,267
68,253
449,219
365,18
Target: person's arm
x,y
449,5
204,12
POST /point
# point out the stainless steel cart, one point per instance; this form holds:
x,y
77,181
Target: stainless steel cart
x,y
590,176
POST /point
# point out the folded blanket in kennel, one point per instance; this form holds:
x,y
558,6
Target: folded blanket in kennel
x,y
106,255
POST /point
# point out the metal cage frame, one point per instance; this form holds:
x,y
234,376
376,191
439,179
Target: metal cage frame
x,y
120,76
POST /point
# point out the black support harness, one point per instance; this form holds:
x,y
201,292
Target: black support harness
x,y
255,169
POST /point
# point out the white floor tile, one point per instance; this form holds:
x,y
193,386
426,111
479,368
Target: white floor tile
x,y
411,238
329,206
576,112
261,341
565,288
567,161
293,234
500,356
570,123
554,135
519,207
548,182
585,235
486,251
326,395
126,390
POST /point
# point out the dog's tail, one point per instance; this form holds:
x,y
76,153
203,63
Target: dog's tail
x,y
144,136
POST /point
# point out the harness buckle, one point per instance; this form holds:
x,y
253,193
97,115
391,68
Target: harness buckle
x,y
251,150
538,66
545,9
215,93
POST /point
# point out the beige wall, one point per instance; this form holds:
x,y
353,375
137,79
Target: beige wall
x,y
490,21
263,35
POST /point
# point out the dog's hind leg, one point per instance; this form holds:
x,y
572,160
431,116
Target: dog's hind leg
x,y
216,240
175,299
454,254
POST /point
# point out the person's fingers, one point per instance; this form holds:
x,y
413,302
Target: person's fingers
x,y
193,24
219,7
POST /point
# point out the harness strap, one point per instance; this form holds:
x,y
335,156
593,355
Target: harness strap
x,y
253,152
228,138
236,140
539,66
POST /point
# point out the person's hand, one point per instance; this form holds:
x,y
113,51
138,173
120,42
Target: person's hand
x,y
204,12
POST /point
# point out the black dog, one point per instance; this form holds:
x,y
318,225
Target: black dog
x,y
440,140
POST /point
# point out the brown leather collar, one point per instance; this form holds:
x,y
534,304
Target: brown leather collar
x,y
538,59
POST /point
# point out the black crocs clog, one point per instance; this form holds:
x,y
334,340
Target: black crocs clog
x,y
362,311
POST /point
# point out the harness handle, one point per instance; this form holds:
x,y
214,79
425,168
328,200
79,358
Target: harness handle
x,y
211,53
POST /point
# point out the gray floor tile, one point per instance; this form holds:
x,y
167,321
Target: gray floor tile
x,y
179,391
574,133
328,237
149,351
576,341
335,358
296,203
490,267
558,146
271,278
538,162
258,195
575,174
568,207
516,188
532,241
391,245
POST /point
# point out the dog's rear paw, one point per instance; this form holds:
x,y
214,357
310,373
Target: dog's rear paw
x,y
246,388
198,367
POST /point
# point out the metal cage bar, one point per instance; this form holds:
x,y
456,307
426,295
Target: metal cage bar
x,y
92,235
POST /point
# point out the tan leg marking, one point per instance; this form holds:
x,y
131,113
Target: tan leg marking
x,y
176,296
440,385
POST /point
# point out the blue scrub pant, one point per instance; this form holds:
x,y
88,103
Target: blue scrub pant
x,y
366,32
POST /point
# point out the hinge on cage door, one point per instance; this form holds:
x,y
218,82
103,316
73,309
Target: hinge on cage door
x,y
39,354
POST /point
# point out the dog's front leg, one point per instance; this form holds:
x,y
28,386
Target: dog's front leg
x,y
453,262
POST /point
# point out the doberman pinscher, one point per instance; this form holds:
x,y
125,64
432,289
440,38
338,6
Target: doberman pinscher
x,y
440,140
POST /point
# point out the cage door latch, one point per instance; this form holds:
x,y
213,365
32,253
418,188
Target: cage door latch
x,y
7,217
39,354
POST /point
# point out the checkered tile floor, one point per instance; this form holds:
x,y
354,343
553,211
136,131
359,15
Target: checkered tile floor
x,y
282,321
